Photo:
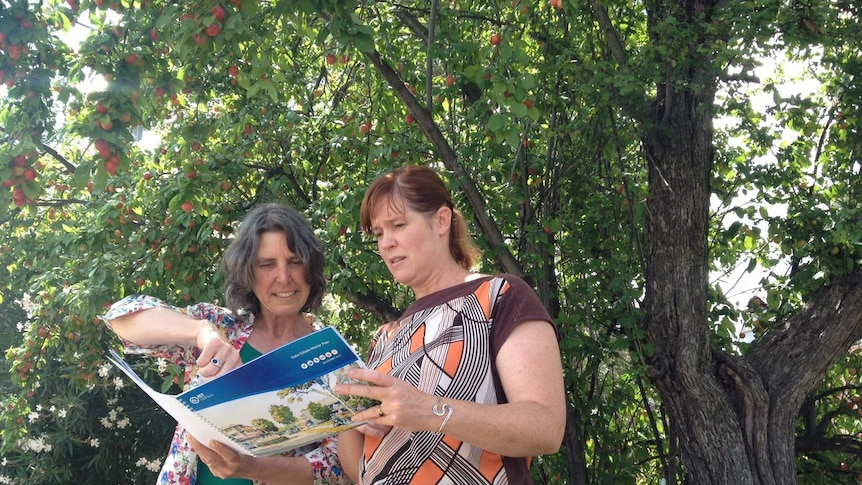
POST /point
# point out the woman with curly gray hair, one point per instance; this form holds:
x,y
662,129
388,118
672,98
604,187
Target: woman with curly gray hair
x,y
274,279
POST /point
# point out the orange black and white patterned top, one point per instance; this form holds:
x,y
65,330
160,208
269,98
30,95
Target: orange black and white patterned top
x,y
445,344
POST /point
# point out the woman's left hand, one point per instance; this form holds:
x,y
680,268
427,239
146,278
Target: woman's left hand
x,y
401,404
273,470
221,460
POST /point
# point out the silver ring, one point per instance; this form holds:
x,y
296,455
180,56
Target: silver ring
x,y
216,362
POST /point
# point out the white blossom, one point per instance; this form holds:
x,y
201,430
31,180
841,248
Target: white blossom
x,y
94,442
33,417
35,444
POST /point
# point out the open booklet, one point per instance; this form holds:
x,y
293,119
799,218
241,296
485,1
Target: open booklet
x,y
279,401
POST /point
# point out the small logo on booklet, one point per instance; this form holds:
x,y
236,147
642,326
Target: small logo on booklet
x,y
320,358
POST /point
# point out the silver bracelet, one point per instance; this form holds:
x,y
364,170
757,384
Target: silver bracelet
x,y
440,411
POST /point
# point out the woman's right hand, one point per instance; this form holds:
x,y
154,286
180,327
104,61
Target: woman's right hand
x,y
217,354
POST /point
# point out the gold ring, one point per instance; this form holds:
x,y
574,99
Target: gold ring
x,y
380,411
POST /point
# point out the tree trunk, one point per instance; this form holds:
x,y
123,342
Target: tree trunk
x,y
735,417
679,154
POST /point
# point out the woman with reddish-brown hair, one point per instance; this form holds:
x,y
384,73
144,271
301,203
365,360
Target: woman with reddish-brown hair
x,y
469,379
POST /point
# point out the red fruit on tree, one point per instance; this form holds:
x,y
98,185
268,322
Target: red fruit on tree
x,y
101,108
103,148
192,174
450,80
218,12
330,59
29,174
15,51
154,35
409,119
147,175
214,29
233,71
495,39
187,206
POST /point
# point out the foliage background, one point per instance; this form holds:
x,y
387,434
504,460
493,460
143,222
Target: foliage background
x,y
308,101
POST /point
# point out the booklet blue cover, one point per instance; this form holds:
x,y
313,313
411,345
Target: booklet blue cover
x,y
295,363
282,400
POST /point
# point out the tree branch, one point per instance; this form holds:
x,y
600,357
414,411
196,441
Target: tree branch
x,y
792,357
60,158
611,38
429,59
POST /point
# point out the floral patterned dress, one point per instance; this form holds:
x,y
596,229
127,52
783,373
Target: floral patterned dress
x,y
180,467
